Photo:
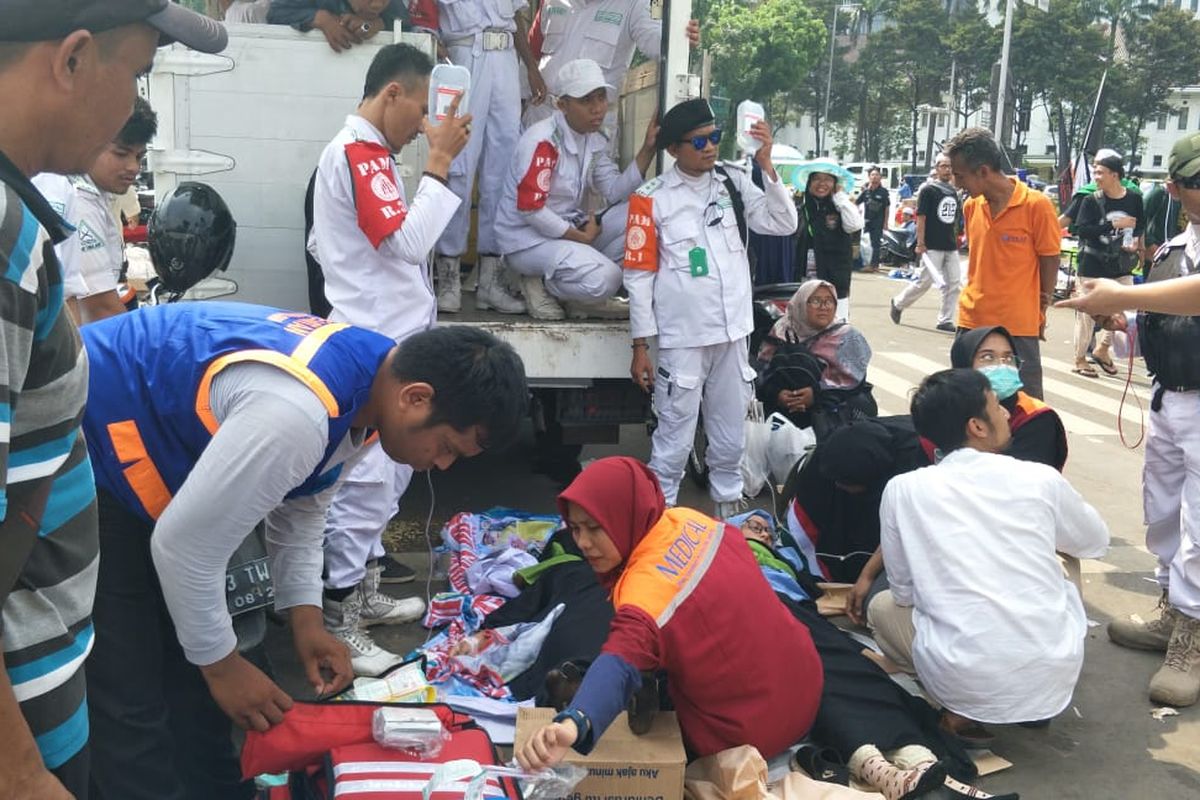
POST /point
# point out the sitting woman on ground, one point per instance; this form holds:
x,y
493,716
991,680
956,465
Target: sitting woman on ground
x,y
677,576
1037,431
812,368
833,498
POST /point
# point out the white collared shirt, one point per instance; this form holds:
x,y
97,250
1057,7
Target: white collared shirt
x,y
389,289
970,544
93,255
687,213
583,163
606,31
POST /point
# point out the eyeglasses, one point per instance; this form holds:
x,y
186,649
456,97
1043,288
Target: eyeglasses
x,y
822,302
1187,183
755,526
990,359
701,142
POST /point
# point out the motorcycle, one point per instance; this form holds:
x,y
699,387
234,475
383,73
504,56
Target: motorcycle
x,y
895,249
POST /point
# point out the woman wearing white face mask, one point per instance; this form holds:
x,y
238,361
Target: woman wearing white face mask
x,y
1037,432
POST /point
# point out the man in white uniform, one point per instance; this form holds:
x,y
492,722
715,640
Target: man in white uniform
x,y
689,285
604,31
543,227
93,256
1171,488
979,604
486,37
374,248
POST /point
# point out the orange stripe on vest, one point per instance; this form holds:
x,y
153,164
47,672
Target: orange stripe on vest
x,y
668,563
141,473
641,237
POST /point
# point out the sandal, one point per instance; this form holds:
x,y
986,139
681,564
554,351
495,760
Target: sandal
x,y
821,764
1108,366
1086,371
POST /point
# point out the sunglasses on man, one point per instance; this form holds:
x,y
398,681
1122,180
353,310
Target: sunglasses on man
x,y
700,142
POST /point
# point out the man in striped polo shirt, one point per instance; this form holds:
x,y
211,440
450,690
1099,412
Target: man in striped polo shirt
x,y
67,74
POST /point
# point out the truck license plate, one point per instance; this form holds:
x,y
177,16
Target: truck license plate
x,y
248,586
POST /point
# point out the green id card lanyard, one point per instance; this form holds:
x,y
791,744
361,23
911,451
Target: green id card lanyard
x,y
698,261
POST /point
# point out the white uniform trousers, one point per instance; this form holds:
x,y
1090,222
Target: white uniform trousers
x,y
578,272
715,379
1171,497
495,128
362,507
940,268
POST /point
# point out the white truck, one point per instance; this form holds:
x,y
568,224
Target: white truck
x,y
252,122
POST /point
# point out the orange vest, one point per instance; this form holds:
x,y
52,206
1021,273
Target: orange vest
x,y
668,562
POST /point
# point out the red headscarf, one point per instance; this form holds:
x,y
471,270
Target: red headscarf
x,y
623,496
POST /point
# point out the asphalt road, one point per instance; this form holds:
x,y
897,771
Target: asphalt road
x,y
1106,745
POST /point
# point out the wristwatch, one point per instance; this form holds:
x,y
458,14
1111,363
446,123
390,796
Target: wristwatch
x,y
582,724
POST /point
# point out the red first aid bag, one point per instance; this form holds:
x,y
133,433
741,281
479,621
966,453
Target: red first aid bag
x,y
330,751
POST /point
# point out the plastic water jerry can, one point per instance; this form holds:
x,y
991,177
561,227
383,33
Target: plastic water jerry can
x,y
447,82
748,113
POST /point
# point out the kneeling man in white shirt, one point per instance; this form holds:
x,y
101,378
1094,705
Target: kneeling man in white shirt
x,y
997,631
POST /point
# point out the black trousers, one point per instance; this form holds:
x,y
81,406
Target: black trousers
x,y
876,234
156,732
861,705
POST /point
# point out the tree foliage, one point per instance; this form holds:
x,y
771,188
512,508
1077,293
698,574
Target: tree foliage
x,y
762,51
894,58
1164,55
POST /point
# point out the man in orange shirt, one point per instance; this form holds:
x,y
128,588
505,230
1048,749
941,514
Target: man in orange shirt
x,y
1014,242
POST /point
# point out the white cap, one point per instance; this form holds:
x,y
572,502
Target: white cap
x,y
579,78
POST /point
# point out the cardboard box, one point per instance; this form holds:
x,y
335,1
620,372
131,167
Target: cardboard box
x,y
622,766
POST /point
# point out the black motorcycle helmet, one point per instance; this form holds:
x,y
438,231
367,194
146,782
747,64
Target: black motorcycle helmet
x,y
190,235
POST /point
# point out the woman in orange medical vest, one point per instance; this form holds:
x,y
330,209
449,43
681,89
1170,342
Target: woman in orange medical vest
x,y
691,602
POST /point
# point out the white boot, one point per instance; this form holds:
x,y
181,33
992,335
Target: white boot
x,y
541,304
383,609
492,292
449,284
612,308
342,620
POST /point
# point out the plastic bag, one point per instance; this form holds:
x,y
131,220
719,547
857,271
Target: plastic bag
x,y
865,250
553,783
549,784
417,731
786,444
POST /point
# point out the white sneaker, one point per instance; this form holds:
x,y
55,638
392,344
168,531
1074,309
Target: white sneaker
x,y
730,508
378,608
541,305
366,658
612,308
449,284
492,293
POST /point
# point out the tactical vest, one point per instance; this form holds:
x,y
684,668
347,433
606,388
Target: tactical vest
x,y
1171,343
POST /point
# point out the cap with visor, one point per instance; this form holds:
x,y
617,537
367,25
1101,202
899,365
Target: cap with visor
x,y
47,20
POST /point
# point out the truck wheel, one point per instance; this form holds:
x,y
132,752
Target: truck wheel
x,y
697,468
